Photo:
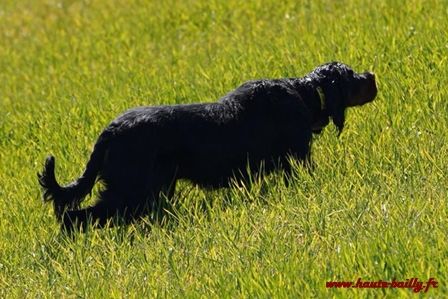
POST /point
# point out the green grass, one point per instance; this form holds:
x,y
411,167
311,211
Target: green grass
x,y
375,208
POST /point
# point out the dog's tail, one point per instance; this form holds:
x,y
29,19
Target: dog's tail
x,y
71,195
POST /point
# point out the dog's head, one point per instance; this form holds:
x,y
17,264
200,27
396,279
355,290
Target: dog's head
x,y
340,88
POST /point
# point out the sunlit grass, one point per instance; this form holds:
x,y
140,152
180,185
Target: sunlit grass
x,y
374,208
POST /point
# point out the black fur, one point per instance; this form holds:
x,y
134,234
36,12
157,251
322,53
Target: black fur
x,y
141,154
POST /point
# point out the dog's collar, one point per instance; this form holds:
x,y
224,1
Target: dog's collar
x,y
321,93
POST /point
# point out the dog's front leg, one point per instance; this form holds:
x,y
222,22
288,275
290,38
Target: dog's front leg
x,y
308,163
285,165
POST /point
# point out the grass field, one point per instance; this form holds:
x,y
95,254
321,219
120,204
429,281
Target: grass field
x,y
376,207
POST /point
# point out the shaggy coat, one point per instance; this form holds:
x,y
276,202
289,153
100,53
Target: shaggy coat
x,y
258,126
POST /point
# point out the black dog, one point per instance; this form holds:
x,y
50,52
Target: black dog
x,y
259,126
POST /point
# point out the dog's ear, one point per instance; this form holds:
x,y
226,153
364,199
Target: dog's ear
x,y
335,105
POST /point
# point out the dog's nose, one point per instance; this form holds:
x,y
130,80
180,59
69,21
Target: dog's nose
x,y
370,75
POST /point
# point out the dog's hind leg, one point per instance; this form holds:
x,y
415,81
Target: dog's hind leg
x,y
168,183
163,185
110,206
71,195
142,189
115,207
